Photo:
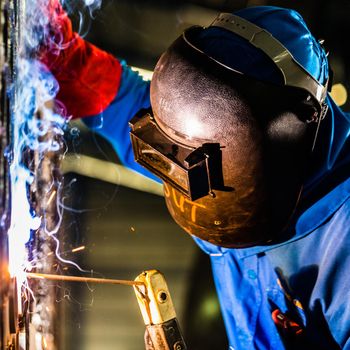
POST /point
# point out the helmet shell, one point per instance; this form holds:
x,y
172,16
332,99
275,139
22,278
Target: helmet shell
x,y
200,102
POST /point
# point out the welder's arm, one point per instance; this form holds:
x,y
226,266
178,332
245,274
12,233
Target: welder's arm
x,y
95,84
112,123
88,77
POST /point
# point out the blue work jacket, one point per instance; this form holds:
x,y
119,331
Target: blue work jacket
x,y
306,277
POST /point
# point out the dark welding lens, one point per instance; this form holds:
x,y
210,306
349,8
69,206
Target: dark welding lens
x,y
159,164
186,169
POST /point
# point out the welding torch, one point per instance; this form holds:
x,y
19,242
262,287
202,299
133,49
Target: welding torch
x,y
157,309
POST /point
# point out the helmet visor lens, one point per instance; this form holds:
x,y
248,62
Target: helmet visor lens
x,y
186,168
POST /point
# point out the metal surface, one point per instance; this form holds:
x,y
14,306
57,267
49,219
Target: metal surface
x,y
19,307
44,192
9,305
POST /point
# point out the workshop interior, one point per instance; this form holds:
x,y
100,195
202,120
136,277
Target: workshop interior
x,y
103,221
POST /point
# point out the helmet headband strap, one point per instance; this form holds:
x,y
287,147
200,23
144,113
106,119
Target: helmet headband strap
x,y
293,73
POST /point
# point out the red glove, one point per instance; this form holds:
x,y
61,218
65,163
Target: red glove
x,y
89,78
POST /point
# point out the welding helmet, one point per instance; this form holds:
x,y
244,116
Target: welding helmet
x,y
235,112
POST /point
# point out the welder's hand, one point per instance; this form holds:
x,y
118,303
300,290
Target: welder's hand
x,y
88,77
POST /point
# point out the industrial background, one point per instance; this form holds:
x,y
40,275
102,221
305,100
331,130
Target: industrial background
x,y
120,219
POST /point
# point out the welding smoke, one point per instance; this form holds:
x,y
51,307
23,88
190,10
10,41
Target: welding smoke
x,y
37,130
32,95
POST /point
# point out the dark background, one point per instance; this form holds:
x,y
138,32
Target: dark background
x,y
125,231
140,30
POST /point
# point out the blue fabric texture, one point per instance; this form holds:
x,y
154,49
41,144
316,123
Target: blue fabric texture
x,y
285,25
112,124
307,276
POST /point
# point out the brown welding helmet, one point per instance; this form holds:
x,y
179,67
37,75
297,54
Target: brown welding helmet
x,y
230,149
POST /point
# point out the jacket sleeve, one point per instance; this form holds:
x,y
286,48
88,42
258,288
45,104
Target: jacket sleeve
x,y
112,123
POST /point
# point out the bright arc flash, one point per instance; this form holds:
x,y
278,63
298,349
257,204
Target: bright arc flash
x,y
21,221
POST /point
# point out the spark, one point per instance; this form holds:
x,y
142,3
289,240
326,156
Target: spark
x,y
44,343
78,249
52,196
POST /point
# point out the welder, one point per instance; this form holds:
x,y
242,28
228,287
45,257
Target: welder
x,y
255,159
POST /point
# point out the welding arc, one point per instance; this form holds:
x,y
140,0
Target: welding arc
x,y
82,279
